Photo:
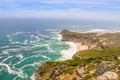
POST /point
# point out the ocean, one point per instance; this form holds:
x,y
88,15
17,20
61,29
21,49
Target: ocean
x,y
26,43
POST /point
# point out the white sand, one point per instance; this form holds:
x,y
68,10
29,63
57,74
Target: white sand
x,y
81,47
68,54
73,48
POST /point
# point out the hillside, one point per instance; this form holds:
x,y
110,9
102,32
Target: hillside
x,y
101,61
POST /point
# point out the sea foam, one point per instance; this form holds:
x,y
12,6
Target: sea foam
x,y
10,71
68,54
97,31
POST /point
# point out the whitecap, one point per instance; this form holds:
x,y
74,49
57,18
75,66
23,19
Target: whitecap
x,y
68,54
10,71
50,49
6,59
10,50
43,56
20,56
35,56
5,52
22,60
97,31
13,42
59,37
4,47
51,30
18,33
25,42
33,64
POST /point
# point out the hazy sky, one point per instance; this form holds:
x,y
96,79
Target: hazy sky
x,y
76,9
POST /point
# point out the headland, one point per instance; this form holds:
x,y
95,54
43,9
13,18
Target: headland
x,y
97,58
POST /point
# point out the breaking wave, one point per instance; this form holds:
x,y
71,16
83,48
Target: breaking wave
x,y
27,50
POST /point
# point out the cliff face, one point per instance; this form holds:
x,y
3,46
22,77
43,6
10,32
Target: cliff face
x,y
100,62
93,40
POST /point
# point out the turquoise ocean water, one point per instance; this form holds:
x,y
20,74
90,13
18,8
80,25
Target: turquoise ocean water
x,y
22,52
25,44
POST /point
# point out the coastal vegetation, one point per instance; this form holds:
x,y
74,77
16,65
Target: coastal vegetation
x,y
98,62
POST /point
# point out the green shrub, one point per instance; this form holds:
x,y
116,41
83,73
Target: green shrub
x,y
74,78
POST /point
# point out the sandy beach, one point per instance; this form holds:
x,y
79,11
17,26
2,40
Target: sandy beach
x,y
81,47
73,48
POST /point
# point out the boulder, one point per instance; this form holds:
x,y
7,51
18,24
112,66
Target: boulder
x,y
108,76
111,75
105,66
101,78
81,71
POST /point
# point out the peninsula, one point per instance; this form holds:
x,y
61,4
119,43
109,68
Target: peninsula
x,y
98,58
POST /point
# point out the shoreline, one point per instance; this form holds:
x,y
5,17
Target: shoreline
x,y
74,47
72,50
77,61
68,54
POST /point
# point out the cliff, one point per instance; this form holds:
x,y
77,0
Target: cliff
x,y
93,40
101,61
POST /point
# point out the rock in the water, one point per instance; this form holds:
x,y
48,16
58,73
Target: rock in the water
x,y
105,66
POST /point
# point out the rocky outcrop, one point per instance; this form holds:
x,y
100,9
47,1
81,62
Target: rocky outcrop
x,y
57,71
101,78
93,40
105,66
41,70
99,61
108,76
106,70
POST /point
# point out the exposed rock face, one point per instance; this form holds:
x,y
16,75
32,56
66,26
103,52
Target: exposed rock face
x,y
106,70
101,78
99,61
40,71
81,71
111,75
105,66
57,71
108,76
93,40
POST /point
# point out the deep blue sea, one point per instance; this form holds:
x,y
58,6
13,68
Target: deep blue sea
x,y
26,43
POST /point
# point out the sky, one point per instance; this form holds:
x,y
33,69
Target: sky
x,y
70,9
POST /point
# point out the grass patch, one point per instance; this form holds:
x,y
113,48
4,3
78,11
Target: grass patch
x,y
108,54
89,57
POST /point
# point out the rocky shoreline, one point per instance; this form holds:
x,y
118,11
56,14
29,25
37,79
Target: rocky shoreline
x,y
98,58
92,40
